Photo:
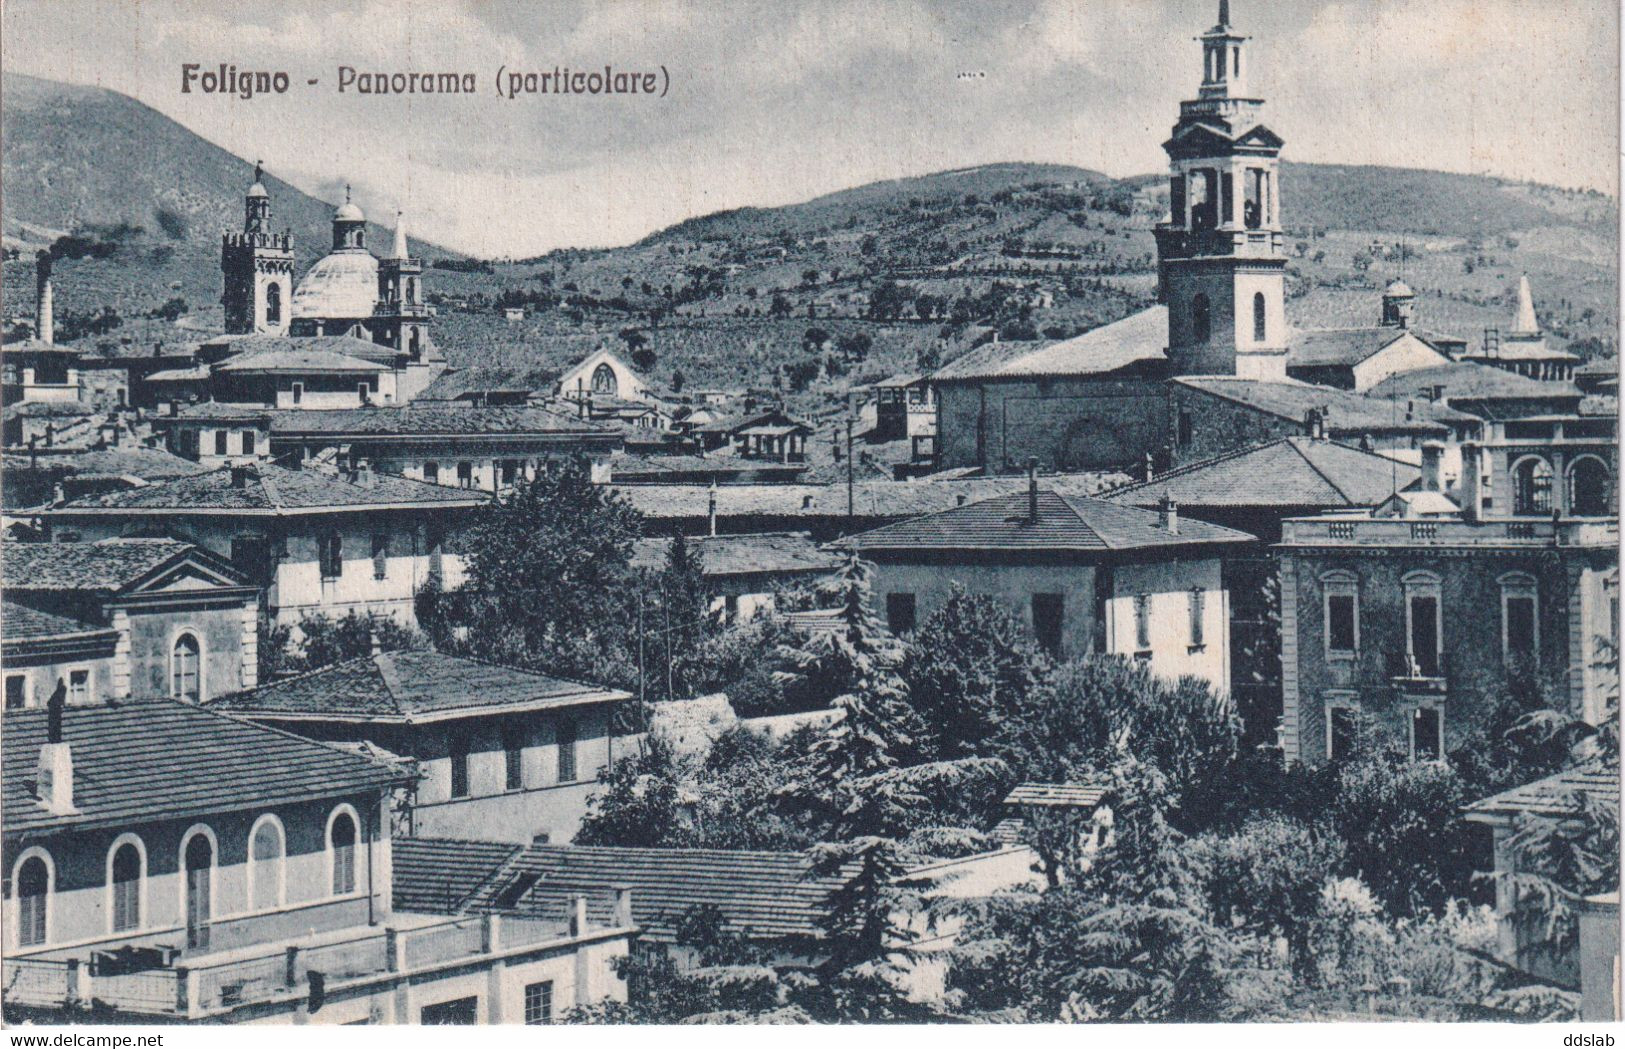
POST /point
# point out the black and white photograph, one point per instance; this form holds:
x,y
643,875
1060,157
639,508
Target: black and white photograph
x,y
910,512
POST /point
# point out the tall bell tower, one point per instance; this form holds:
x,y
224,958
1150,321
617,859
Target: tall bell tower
x,y
1221,267
401,317
256,268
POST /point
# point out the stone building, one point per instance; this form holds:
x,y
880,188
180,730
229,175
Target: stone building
x,y
166,863
1425,612
103,621
502,753
1085,575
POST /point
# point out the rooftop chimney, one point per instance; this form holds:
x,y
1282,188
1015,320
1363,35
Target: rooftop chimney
x,y
53,783
959,500
1150,466
174,406
1032,489
45,321
806,502
1470,493
372,641
50,434
1314,424
1168,515
1432,460
711,511
362,474
239,475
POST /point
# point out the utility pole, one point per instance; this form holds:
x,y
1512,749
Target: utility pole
x,y
665,607
851,508
643,706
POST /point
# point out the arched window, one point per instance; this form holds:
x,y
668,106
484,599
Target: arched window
x,y
198,860
604,381
341,842
1201,319
411,289
265,852
273,303
1532,487
33,900
125,871
1260,323
185,669
1590,487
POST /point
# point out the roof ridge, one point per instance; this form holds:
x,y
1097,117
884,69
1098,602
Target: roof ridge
x,y
237,719
1333,485
384,664
1178,471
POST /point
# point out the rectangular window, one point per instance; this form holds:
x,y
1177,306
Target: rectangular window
x,y
510,471
900,613
513,758
332,555
1519,610
298,392
566,738
1341,725
1342,636
1049,621
459,767
126,903
380,556
79,687
1186,428
539,1002
431,472
1142,623
248,442
1427,734
465,475
1198,613
1424,636
458,1011
16,691
363,391
220,442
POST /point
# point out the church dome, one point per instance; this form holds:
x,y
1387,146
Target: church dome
x,y
341,285
257,190
1398,288
348,212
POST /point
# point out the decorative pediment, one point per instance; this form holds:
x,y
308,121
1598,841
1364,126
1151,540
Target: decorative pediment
x,y
1260,137
189,571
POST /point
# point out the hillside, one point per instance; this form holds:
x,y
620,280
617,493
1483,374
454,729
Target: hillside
x,y
811,297
134,187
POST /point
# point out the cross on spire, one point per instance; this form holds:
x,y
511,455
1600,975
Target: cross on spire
x,y
259,166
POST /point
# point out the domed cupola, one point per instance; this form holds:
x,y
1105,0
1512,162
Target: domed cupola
x,y
349,226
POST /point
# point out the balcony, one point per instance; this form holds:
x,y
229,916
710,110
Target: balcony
x,y
1414,677
1340,531
207,986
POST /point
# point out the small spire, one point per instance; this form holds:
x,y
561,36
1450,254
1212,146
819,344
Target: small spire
x,y
346,193
399,251
1525,322
259,168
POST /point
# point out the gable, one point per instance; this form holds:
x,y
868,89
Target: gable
x,y
1404,354
193,571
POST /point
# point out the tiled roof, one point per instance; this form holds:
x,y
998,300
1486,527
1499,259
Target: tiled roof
x,y
147,464
1347,413
629,465
1511,349
901,380
49,410
298,362
1605,405
432,419
1138,337
109,565
1466,381
158,759
345,345
200,373
21,622
870,499
1334,346
1058,795
1554,795
1065,523
223,411
268,488
737,555
410,688
439,875
1288,472
771,894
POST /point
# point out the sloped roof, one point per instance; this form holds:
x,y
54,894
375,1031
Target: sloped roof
x,y
1321,347
411,688
21,622
146,464
439,875
1140,336
107,566
1057,795
1553,795
268,488
1288,472
437,419
1347,413
772,894
153,759
298,362
250,344
738,555
1065,523
200,373
50,410
870,499
1467,381
219,411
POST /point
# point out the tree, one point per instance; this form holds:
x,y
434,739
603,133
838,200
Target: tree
x,y
678,380
815,339
780,305
685,617
548,581
854,346
644,358
969,662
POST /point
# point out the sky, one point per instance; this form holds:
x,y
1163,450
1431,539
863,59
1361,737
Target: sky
x,y
773,101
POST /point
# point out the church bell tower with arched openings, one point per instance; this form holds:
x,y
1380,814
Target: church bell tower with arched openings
x,y
1221,267
256,268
